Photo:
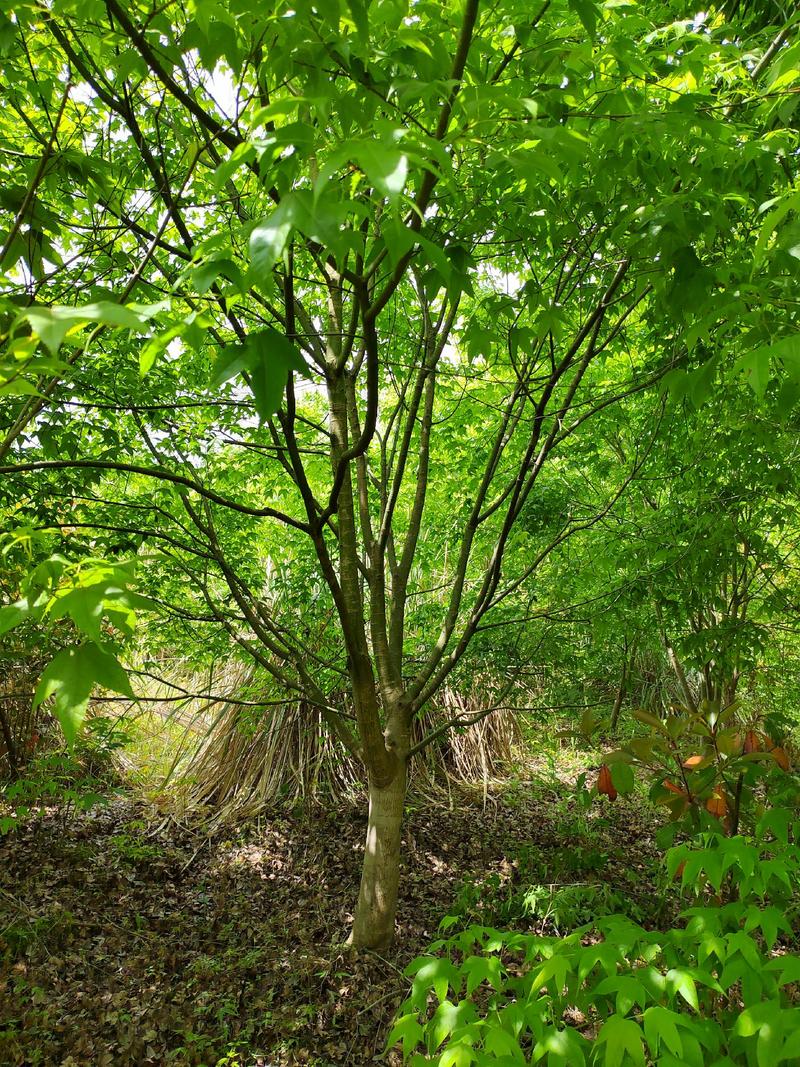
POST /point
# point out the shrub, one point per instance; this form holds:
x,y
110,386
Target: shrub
x,y
714,991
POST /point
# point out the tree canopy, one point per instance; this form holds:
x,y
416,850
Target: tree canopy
x,y
354,324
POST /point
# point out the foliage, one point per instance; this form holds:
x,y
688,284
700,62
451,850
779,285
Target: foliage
x,y
718,988
431,361
544,905
94,596
704,765
711,991
346,320
73,780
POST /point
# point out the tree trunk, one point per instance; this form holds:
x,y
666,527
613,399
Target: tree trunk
x,y
623,682
10,752
373,927
677,666
730,688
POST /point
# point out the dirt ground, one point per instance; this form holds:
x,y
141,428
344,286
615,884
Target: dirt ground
x,y
131,939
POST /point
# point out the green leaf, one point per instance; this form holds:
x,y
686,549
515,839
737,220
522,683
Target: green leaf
x,y
681,981
203,275
86,604
790,202
499,1043
435,973
605,953
12,615
628,988
777,822
270,238
481,969
243,153
622,776
767,1020
660,1028
789,967
587,13
449,1017
386,167
769,920
52,323
756,368
360,16
461,1054
20,387
563,1048
622,1039
648,719
232,360
408,1030
268,357
155,346
8,31
71,676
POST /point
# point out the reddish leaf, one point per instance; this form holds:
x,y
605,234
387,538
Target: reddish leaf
x,y
716,804
674,788
778,753
752,742
604,783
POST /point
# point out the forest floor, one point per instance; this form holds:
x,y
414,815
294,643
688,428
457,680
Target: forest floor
x,y
131,939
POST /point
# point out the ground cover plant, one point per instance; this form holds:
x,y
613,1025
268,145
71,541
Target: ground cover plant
x,y
394,397
709,989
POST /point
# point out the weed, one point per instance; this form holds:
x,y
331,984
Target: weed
x,y
44,933
132,849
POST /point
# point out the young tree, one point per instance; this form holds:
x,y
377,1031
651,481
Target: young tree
x,y
694,569
424,245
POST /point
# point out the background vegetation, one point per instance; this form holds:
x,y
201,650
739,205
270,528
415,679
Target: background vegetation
x,y
399,425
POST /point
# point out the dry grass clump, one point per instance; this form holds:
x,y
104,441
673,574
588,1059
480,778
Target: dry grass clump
x,y
246,752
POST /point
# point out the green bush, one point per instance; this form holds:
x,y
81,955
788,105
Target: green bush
x,y
69,779
715,991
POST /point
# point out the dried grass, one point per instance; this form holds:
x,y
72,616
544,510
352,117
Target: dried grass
x,y
236,761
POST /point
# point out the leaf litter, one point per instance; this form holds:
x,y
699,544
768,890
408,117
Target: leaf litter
x,y
130,939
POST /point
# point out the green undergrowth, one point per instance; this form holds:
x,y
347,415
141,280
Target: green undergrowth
x,y
611,960
718,988
66,779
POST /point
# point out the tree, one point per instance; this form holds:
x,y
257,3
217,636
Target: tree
x,y
396,257
694,568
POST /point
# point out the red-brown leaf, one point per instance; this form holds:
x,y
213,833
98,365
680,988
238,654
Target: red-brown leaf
x,y
674,788
717,804
778,753
604,783
752,742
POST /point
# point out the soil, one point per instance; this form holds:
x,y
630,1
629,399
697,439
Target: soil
x,y
128,938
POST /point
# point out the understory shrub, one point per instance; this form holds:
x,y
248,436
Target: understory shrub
x,y
719,989
71,779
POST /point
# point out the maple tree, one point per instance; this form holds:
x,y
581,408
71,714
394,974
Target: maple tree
x,y
333,285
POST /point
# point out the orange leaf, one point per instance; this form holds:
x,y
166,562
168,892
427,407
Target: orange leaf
x,y
778,753
693,761
605,784
717,804
752,742
673,788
